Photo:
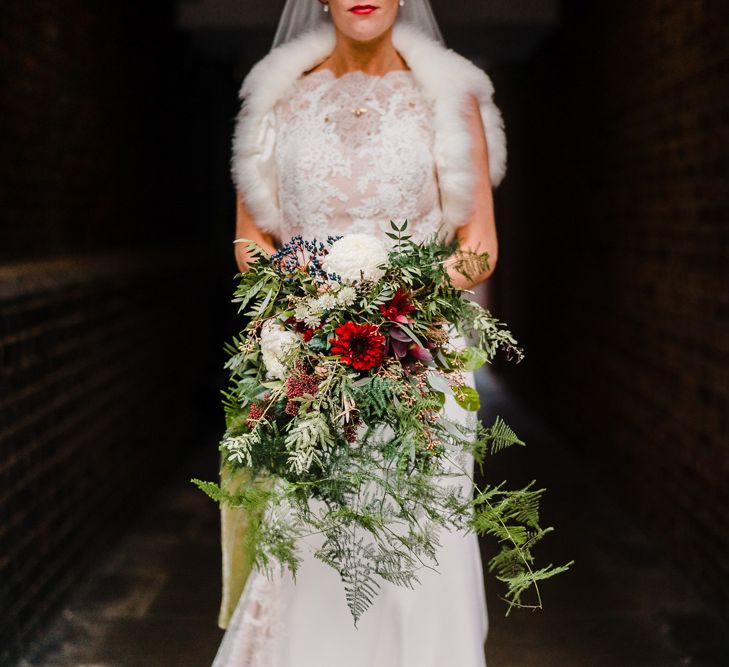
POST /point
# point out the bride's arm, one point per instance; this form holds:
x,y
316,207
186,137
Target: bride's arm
x,y
478,234
246,228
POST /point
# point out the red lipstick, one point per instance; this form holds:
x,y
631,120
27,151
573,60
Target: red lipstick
x,y
363,9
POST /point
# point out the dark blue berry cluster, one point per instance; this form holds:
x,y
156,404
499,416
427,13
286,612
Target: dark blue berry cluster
x,y
298,254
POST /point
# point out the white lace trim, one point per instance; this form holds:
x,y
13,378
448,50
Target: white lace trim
x,y
254,630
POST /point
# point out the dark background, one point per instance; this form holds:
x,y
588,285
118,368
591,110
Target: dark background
x,y
116,260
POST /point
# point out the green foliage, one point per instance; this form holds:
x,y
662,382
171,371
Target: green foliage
x,y
306,441
487,332
512,517
500,436
360,586
249,496
467,398
468,359
471,264
211,489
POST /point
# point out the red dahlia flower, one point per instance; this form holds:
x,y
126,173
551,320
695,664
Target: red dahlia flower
x,y
398,308
361,346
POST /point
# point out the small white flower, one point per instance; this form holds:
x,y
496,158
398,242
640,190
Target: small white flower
x,y
346,296
355,257
302,311
309,312
326,302
276,344
312,321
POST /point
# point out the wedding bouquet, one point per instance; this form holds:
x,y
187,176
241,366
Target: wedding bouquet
x,y
336,411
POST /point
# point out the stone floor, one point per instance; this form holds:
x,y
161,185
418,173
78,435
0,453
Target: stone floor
x,y
153,602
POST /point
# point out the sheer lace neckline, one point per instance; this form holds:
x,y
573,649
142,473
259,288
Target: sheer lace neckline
x,y
354,152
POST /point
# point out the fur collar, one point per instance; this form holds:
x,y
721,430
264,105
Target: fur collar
x,y
445,77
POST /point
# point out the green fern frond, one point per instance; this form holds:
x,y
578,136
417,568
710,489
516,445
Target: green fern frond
x,y
396,567
523,581
211,489
360,586
502,436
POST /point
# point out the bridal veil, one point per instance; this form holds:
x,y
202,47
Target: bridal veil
x,y
300,16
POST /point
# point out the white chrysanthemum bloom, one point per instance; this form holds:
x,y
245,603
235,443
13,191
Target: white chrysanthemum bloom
x,y
302,311
326,302
312,320
346,296
276,343
356,256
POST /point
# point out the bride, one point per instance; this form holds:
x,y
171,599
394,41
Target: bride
x,y
359,115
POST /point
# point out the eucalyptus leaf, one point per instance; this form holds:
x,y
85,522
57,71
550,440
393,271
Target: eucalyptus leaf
x,y
439,384
472,358
467,398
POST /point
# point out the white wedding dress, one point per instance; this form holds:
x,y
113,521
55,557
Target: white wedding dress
x,y
351,154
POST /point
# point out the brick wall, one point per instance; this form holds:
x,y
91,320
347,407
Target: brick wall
x,y
98,367
615,228
115,267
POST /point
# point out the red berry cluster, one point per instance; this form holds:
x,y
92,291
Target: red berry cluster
x,y
350,431
297,385
254,414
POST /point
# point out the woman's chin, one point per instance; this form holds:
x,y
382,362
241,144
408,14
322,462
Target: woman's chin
x,y
365,29
365,36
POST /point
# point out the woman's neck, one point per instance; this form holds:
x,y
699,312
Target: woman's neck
x,y
376,57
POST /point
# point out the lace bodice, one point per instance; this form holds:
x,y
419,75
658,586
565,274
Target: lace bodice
x,y
354,152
